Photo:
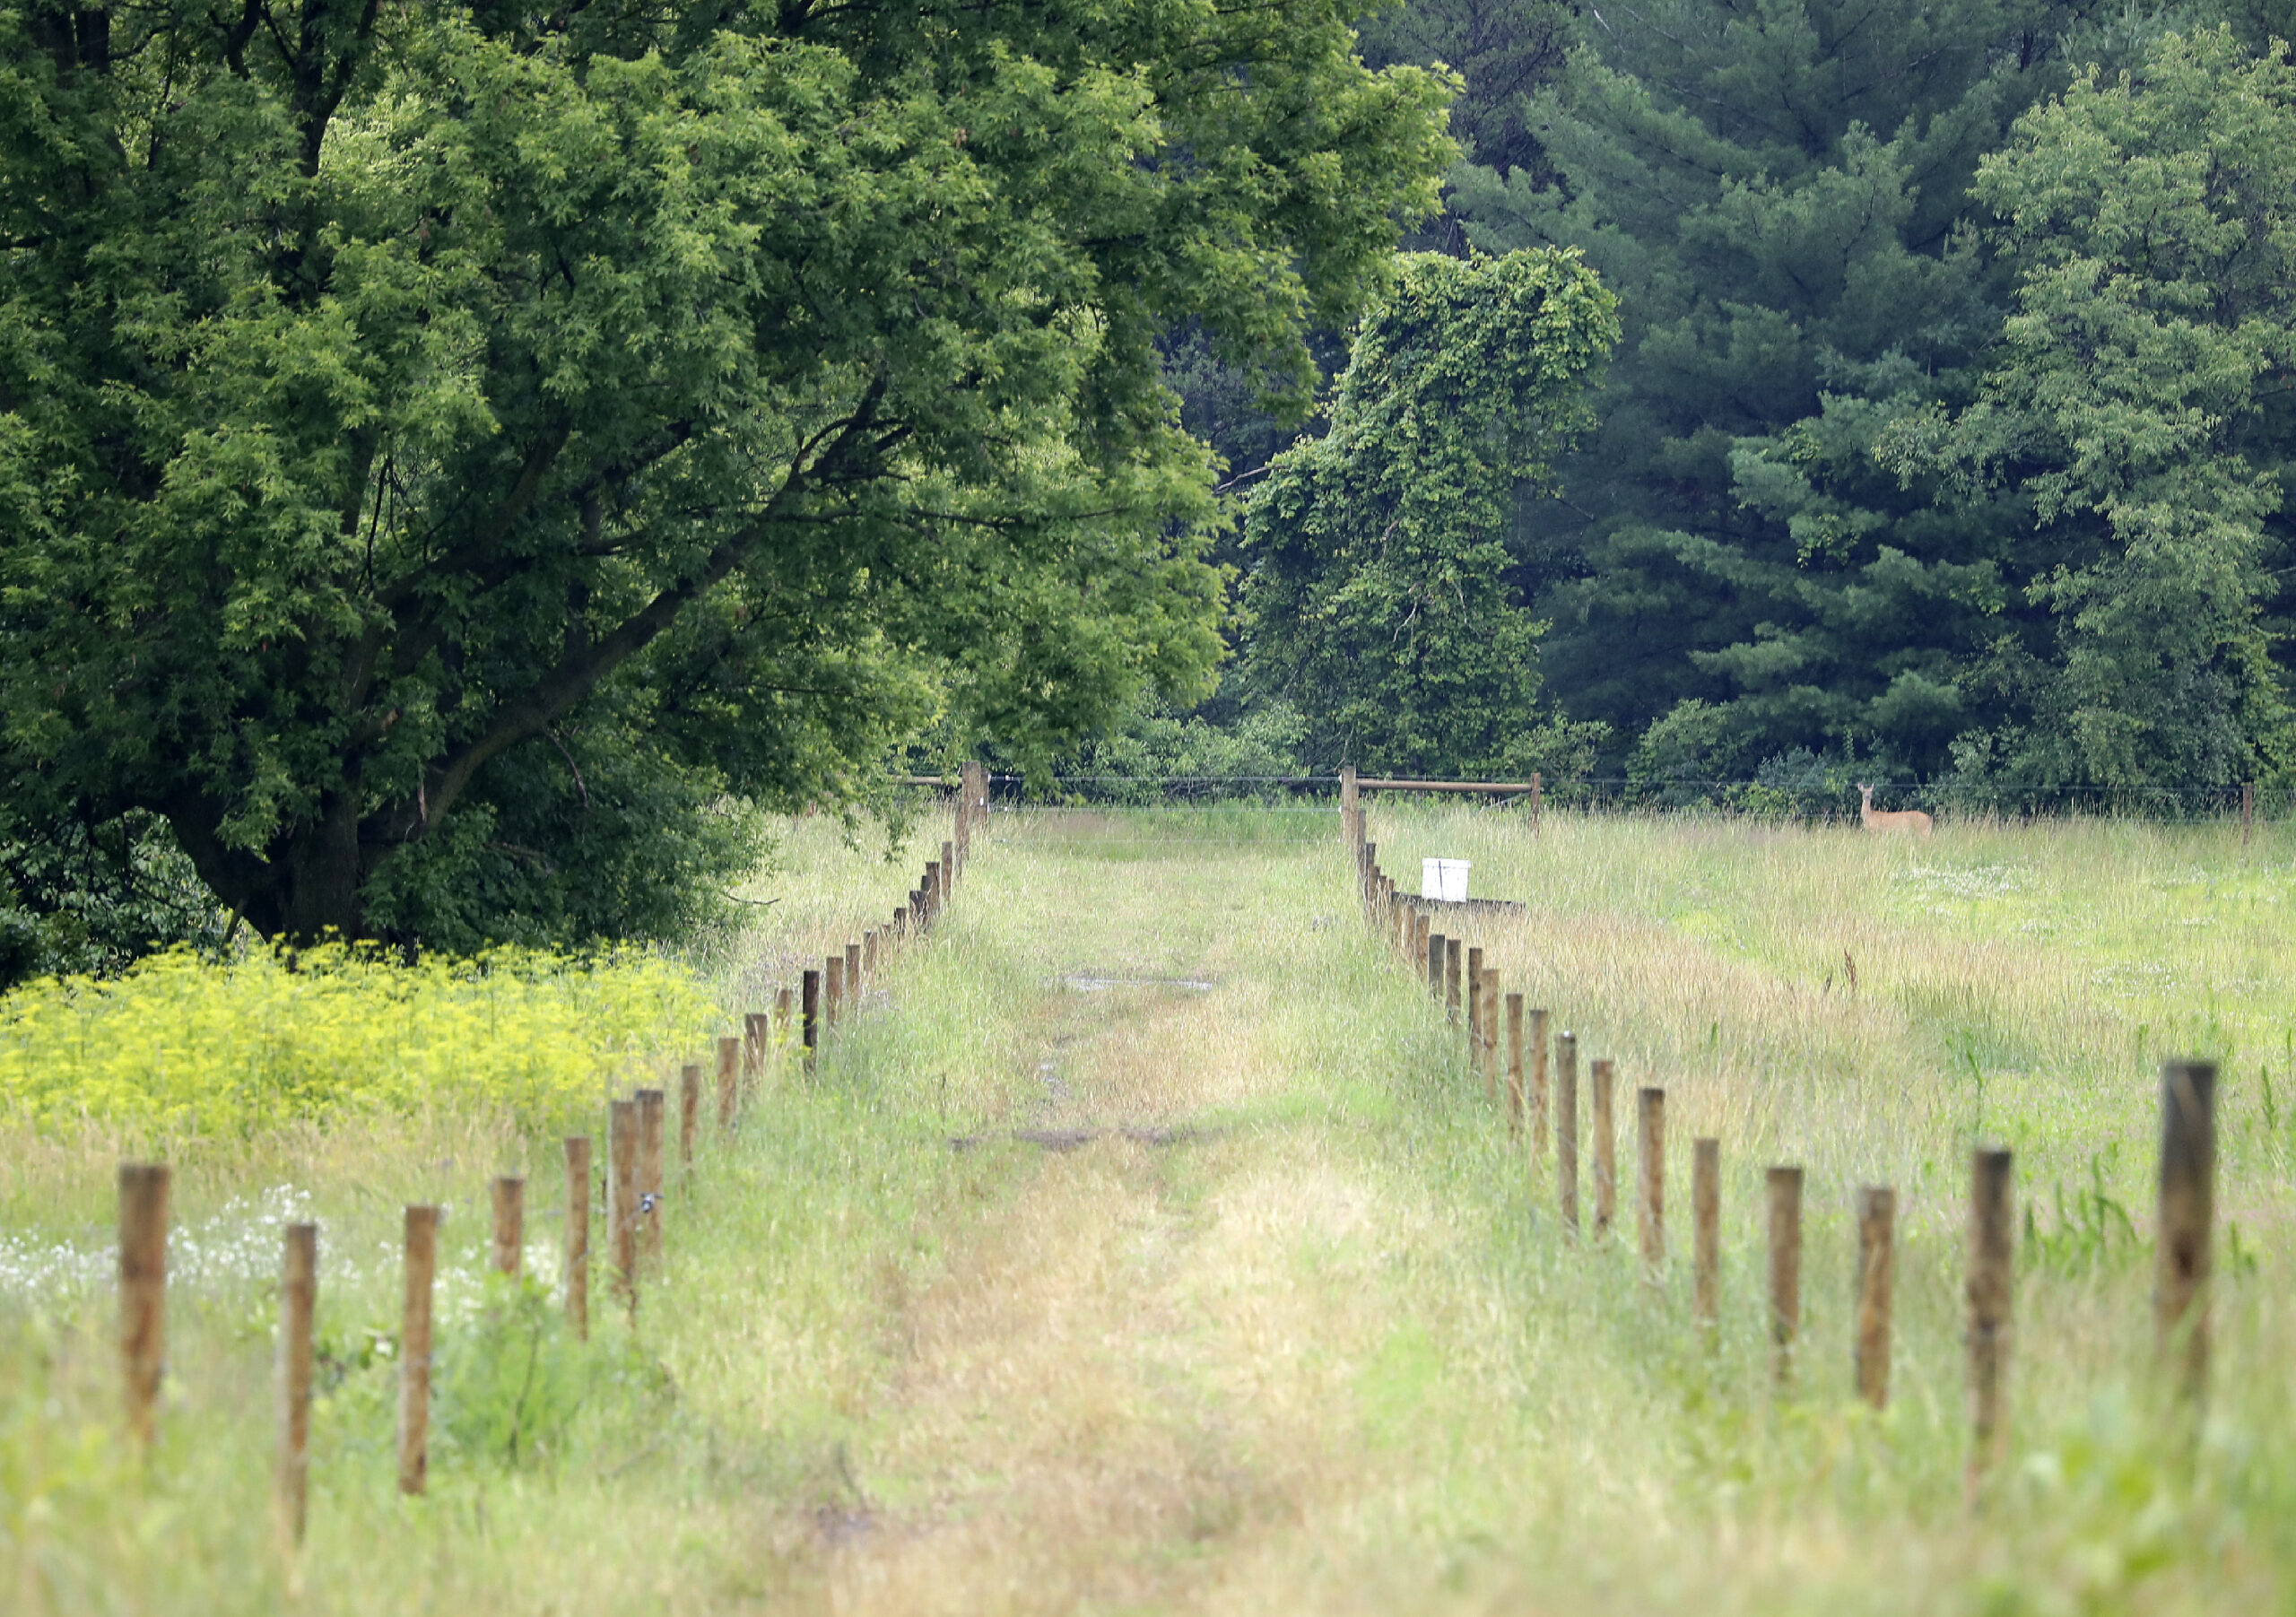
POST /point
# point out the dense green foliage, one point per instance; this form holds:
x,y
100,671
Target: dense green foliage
x,y
1864,489
2138,406
1379,571
452,458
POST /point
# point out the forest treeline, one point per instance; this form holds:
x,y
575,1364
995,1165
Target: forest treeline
x,y
1943,439
462,465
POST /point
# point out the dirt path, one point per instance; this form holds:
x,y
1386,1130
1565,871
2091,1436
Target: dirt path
x,y
1135,1386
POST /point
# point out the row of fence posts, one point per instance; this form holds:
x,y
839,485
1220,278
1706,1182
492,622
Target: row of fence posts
x,y
636,1131
2187,1206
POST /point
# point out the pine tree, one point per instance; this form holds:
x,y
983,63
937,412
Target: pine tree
x,y
1781,195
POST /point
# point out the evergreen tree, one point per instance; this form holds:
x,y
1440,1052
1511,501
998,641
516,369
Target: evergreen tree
x,y
1780,195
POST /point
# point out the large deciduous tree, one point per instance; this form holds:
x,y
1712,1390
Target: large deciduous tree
x,y
1379,568
443,449
2140,406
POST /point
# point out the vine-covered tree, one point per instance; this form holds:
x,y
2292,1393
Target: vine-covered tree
x,y
445,449
1379,580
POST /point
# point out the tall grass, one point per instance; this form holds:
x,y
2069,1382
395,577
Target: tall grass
x,y
1310,1339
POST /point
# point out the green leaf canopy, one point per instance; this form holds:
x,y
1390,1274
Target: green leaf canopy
x,y
444,450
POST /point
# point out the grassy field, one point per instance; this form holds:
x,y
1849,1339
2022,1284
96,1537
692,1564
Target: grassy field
x,y
1294,1329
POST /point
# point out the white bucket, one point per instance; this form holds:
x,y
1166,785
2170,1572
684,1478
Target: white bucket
x,y
1444,879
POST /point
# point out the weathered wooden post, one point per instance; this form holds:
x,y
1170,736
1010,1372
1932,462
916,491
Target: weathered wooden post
x,y
1606,1149
1435,964
1705,1230
1488,1045
1991,1235
1650,1176
812,1022
1785,1187
622,1200
690,1111
578,1235
421,1267
143,1293
2183,1256
853,986
1474,1002
1540,1108
757,1038
1877,1215
832,990
1566,1129
1515,1097
651,1123
509,1247
299,1290
1451,964
729,1080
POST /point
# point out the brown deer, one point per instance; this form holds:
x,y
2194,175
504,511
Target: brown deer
x,y
1879,820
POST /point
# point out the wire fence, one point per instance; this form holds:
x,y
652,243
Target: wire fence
x,y
1818,800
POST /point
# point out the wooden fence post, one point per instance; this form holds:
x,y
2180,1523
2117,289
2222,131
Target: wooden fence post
x,y
690,1111
869,956
1650,1175
729,1082
1785,1186
652,1119
578,1235
1566,1129
1705,1230
142,1292
811,1030
832,990
948,867
1991,1233
2183,1256
757,1038
422,1263
1515,1097
1435,965
1475,1004
1877,1215
1540,1108
1600,1077
854,988
509,1252
1488,1044
299,1289
622,1200
1451,949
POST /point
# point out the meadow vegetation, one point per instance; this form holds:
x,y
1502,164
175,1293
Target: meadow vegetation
x,y
1295,1329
